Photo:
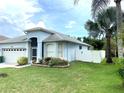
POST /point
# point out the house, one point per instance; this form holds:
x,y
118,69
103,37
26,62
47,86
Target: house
x,y
38,43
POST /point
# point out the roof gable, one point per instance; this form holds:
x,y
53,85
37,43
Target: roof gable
x,y
15,40
3,38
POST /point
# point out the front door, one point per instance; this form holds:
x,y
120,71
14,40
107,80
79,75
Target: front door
x,y
34,53
33,48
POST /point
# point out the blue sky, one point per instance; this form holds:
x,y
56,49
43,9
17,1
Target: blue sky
x,y
58,15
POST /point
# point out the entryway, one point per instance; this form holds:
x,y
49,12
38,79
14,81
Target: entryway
x,y
33,48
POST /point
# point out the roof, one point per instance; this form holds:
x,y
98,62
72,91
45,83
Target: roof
x,y
3,38
39,29
55,36
15,40
62,37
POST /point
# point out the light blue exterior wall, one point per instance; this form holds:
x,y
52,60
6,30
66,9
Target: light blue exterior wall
x,y
54,48
40,37
70,50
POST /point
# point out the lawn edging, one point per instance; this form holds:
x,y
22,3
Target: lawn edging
x,y
41,65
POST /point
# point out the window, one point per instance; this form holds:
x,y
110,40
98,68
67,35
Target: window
x,y
34,53
34,42
14,49
60,50
80,47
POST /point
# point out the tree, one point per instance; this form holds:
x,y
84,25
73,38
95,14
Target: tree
x,y
96,43
105,23
97,6
93,29
122,35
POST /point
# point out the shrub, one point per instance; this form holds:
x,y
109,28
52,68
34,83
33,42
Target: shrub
x,y
103,61
116,60
1,59
40,61
57,61
121,73
46,60
22,61
34,60
54,61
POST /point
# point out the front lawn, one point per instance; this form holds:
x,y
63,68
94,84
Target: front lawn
x,y
79,78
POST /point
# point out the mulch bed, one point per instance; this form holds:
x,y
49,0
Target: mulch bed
x,y
59,66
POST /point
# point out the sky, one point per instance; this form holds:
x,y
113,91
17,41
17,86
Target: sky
x,y
58,15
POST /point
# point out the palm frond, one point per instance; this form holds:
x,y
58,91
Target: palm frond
x,y
98,5
76,2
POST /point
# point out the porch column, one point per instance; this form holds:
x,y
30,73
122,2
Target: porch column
x,y
28,52
39,51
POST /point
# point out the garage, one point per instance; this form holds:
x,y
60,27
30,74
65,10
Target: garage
x,y
12,54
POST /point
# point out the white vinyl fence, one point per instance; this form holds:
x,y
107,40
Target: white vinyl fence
x,y
90,56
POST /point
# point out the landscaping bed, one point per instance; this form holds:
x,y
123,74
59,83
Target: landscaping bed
x,y
52,62
57,66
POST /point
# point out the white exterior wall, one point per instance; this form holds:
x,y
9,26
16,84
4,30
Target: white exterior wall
x,y
14,45
90,56
12,56
40,37
54,49
70,50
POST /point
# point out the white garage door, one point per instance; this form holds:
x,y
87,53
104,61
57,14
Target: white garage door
x,y
12,54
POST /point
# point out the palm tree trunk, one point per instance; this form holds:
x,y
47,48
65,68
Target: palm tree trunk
x,y
108,47
119,23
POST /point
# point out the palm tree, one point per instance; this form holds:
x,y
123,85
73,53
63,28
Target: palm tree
x,y
97,6
92,28
105,23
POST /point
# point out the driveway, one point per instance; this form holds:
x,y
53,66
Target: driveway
x,y
4,65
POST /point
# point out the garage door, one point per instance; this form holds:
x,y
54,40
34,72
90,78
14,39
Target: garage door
x,y
12,54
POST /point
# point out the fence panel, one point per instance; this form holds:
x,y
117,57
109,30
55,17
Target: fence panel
x,y
90,56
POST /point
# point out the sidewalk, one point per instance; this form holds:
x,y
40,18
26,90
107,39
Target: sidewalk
x,y
4,65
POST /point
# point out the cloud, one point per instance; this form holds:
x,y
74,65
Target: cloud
x,y
70,24
32,25
17,14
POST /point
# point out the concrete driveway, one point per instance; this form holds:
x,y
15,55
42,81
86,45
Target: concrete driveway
x,y
4,65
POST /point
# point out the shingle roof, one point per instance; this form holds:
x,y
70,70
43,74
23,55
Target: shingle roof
x,y
39,29
15,40
55,36
62,37
3,38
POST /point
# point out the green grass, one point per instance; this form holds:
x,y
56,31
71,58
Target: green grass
x,y
79,78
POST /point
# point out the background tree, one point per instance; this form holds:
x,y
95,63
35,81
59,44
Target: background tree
x,y
98,5
106,25
96,43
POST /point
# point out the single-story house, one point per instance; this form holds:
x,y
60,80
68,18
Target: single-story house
x,y
38,43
